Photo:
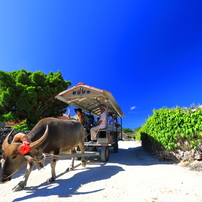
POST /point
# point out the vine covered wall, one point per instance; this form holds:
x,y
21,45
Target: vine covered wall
x,y
177,130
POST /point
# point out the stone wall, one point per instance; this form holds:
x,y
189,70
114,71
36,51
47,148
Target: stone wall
x,y
182,153
2,124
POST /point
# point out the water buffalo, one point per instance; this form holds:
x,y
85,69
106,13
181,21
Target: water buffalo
x,y
50,135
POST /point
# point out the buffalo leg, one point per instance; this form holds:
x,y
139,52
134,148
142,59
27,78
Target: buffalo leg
x,y
73,151
53,164
81,147
21,185
71,167
72,164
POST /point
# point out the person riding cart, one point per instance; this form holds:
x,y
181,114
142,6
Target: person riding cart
x,y
102,123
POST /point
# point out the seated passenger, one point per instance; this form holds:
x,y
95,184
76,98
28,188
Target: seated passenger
x,y
102,123
92,121
111,120
116,123
88,127
81,117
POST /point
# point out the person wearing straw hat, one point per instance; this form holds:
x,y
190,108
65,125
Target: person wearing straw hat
x,y
102,123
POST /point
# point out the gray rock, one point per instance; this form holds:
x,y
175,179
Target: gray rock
x,y
187,156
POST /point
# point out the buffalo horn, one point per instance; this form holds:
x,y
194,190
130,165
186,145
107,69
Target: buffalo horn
x,y
22,137
40,140
5,143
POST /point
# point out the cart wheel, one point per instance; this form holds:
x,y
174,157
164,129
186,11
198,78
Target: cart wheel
x,y
104,154
78,158
116,147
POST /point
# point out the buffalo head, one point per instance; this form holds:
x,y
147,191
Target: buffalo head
x,y
13,159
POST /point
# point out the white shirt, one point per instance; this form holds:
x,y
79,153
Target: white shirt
x,y
103,118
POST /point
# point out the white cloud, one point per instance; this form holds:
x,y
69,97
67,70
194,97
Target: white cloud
x,y
132,108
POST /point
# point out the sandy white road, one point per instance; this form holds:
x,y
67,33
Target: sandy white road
x,y
131,175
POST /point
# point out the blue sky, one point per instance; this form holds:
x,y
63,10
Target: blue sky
x,y
147,53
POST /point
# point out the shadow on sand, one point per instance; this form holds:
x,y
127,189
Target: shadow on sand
x,y
135,156
69,187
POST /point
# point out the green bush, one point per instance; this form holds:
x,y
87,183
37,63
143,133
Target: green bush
x,y
138,136
30,96
23,127
169,126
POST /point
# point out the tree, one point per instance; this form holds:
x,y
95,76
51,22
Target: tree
x,y
30,96
137,129
128,131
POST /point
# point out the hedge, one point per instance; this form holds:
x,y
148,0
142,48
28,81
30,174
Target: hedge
x,y
170,126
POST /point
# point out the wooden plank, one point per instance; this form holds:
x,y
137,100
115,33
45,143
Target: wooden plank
x,y
98,144
78,154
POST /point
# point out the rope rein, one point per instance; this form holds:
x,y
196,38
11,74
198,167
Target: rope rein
x,y
16,170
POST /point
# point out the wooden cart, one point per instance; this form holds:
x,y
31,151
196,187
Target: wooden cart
x,y
90,99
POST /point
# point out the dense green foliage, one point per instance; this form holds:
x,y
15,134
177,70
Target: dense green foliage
x,y
136,136
23,126
30,96
169,126
137,129
128,131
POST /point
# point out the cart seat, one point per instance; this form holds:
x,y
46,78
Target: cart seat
x,y
111,128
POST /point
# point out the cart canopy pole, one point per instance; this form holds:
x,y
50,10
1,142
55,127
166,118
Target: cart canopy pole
x,y
121,130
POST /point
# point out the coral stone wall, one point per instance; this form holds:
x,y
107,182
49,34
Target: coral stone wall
x,y
183,152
